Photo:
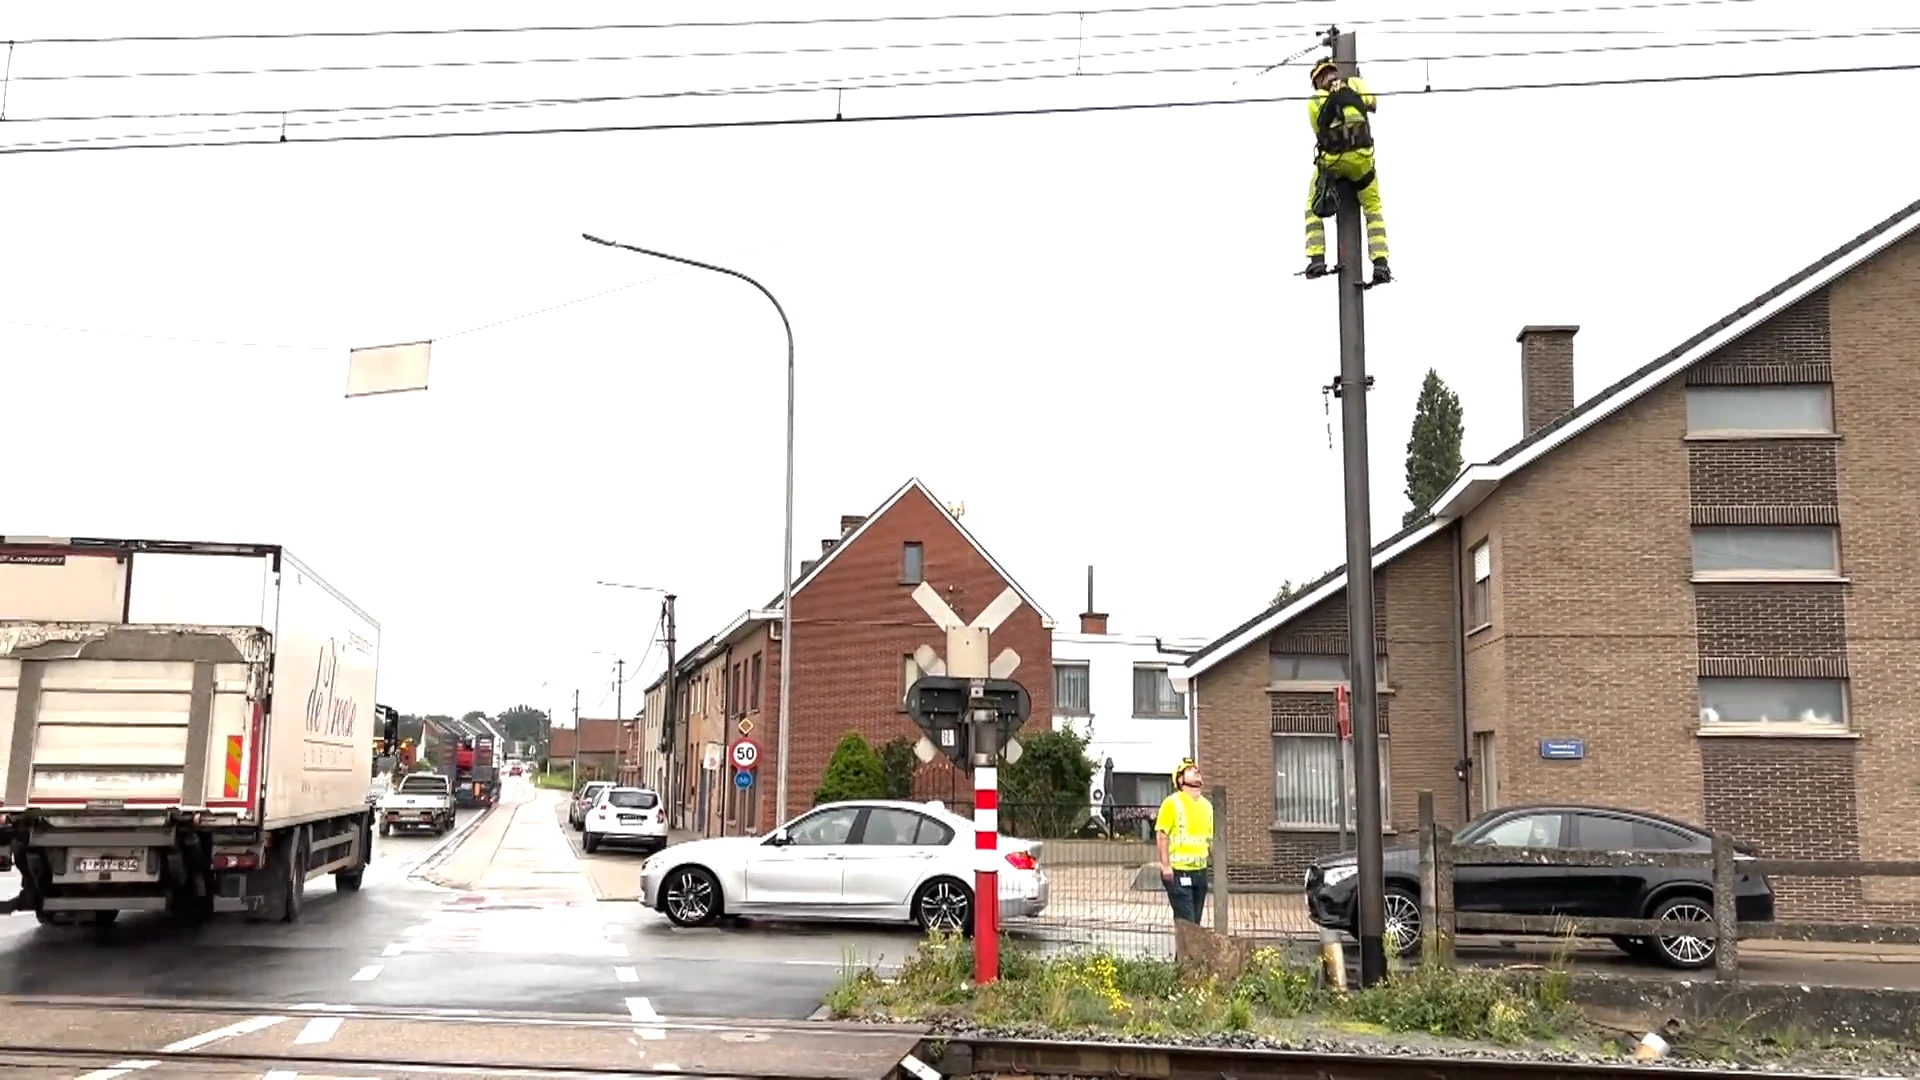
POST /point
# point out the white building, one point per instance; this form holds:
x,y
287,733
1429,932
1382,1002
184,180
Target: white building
x,y
1115,689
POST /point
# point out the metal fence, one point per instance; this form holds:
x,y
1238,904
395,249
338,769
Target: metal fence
x,y
1105,890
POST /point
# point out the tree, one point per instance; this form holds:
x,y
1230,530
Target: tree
x,y
523,723
1433,449
1045,794
897,765
853,772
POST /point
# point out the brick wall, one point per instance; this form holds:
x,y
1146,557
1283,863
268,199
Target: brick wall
x,y
1793,798
853,625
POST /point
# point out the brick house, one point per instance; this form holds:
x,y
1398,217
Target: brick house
x,y
855,628
721,695
588,748
1701,586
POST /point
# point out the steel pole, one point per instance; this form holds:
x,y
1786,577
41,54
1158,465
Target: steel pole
x,y
1361,661
783,740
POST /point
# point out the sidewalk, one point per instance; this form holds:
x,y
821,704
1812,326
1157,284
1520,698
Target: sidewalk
x,y
517,848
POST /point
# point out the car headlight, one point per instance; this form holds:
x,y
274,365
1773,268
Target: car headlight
x,y
1336,875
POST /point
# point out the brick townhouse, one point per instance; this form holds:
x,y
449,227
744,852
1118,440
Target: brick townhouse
x,y
1697,592
855,628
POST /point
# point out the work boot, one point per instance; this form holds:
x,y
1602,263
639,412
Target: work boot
x,y
1381,275
1316,266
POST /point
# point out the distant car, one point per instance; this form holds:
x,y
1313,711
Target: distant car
x,y
626,817
1671,894
583,800
515,769
870,861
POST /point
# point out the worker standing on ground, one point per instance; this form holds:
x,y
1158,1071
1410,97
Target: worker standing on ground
x,y
1184,834
1338,112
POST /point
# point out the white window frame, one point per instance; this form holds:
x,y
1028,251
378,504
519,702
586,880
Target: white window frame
x,y
1777,389
1754,573
1059,708
1324,685
1179,698
1480,586
1332,824
1787,725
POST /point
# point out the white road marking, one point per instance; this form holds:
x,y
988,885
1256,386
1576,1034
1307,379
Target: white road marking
x,y
920,1068
244,1027
318,1030
369,973
393,950
642,1010
626,974
119,1069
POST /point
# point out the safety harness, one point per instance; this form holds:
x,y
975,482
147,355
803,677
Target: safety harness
x,y
1337,134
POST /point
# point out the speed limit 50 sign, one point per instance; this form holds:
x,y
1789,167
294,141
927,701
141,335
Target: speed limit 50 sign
x,y
746,754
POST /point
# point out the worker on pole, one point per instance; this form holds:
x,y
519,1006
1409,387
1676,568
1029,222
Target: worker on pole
x,y
1338,112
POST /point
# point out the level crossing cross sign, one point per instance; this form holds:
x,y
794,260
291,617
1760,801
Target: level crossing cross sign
x,y
937,698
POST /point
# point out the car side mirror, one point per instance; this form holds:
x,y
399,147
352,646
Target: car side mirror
x,y
777,838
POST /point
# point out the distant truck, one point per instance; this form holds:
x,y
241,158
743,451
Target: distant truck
x,y
422,801
188,728
471,773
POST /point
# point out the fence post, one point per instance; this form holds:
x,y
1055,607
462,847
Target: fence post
x,y
1222,918
1429,914
1726,944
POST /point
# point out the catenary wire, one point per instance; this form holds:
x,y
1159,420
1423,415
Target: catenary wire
x,y
972,114
314,115
865,20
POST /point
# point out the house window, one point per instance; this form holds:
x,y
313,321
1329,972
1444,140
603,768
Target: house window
x,y
912,568
1766,550
1773,703
1072,690
1319,668
1307,781
753,693
736,704
909,674
1480,593
1804,409
1154,696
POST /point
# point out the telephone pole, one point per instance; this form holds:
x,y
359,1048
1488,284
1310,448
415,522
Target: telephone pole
x,y
1352,387
672,784
619,716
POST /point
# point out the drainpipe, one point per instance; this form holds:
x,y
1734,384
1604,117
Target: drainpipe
x,y
1465,773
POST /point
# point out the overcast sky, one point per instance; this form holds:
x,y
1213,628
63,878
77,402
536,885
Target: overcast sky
x,y
1085,326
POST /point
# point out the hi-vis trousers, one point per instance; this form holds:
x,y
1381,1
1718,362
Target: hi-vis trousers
x,y
1354,165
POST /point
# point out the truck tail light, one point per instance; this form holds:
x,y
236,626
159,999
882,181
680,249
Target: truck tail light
x,y
245,860
1020,860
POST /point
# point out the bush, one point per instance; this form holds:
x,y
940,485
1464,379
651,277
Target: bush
x,y
897,763
852,773
1043,796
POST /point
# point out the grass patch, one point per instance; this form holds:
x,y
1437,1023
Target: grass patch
x,y
1102,992
558,781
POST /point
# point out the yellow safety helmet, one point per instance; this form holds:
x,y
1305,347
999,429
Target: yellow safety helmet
x,y
1322,67
1185,764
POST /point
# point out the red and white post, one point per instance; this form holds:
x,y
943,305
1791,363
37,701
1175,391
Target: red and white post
x,y
986,873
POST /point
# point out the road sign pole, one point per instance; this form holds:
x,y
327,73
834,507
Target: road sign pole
x,y
966,659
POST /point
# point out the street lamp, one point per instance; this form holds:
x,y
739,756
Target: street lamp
x,y
786,568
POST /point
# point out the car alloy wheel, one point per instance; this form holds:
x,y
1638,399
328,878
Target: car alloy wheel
x,y
1401,932
691,897
945,906
1685,950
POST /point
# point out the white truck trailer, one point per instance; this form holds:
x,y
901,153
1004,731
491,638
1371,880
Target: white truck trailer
x,y
184,727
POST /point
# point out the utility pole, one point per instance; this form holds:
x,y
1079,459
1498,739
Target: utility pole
x,y
619,716
677,815
1352,387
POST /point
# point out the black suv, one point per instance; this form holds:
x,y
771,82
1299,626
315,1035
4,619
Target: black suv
x,y
1671,894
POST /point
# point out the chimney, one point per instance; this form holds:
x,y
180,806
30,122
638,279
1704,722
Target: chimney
x,y
805,566
1091,621
850,522
1546,375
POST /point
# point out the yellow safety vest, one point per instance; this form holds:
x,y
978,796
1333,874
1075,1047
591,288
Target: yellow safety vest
x,y
1191,839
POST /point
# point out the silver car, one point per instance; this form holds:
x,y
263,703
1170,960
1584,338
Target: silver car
x,y
583,800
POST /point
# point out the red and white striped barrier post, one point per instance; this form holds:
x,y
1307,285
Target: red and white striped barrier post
x,y
986,873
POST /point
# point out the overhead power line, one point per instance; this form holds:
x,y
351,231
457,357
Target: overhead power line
x,y
973,114
307,116
863,20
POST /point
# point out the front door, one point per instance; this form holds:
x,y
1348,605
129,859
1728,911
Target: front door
x,y
896,850
805,871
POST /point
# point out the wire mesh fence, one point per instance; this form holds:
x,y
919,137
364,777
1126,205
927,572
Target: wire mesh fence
x,y
1105,889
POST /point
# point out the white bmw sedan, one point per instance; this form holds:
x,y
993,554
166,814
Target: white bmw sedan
x,y
879,861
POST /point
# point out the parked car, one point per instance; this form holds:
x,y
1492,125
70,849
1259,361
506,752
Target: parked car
x,y
626,817
879,860
1677,895
583,799
515,769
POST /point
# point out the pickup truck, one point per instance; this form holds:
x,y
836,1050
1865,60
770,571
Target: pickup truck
x,y
422,801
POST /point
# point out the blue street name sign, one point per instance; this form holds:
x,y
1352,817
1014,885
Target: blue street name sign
x,y
1563,749
742,779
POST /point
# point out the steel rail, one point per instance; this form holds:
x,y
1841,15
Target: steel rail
x,y
1151,1061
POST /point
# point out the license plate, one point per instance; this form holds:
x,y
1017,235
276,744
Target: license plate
x,y
106,866
631,819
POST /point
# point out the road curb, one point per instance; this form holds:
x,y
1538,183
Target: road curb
x,y
444,850
819,1014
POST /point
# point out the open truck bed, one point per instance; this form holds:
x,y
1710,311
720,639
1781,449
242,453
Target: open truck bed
x,y
182,726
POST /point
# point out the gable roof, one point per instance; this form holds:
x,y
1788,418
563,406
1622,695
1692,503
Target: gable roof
x,y
1476,482
914,484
